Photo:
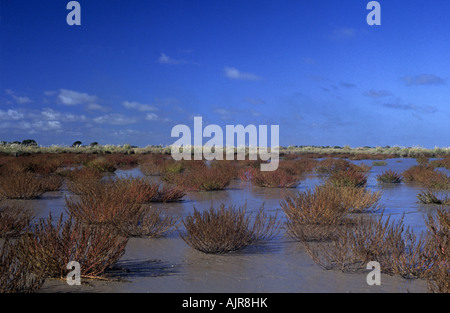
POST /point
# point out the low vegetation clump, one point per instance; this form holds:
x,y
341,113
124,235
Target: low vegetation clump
x,y
379,163
50,246
227,229
389,177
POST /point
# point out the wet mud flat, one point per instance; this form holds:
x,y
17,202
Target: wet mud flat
x,y
281,264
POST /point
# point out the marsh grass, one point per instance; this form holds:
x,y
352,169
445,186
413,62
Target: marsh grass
x,y
227,229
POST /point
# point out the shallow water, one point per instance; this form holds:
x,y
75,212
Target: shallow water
x,y
279,265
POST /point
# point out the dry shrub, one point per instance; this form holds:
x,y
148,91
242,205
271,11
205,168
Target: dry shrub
x,y
445,162
52,182
318,206
357,200
104,203
49,247
198,178
347,178
143,190
439,241
14,219
150,223
428,176
119,204
16,272
122,160
279,178
82,180
314,215
390,243
154,165
102,164
42,164
389,177
21,185
226,229
430,197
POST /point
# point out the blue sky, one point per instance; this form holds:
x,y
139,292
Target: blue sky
x,y
134,69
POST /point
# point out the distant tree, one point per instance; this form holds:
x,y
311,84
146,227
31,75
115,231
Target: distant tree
x,y
29,142
77,143
94,144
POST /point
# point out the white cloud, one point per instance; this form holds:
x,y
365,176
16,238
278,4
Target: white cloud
x,y
343,33
10,115
18,99
423,79
70,97
138,106
164,59
115,119
151,117
234,73
53,115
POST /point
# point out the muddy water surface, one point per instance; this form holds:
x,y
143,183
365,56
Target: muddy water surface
x,y
279,265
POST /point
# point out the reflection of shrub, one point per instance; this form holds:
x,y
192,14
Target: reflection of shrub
x,y
389,177
49,247
226,229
